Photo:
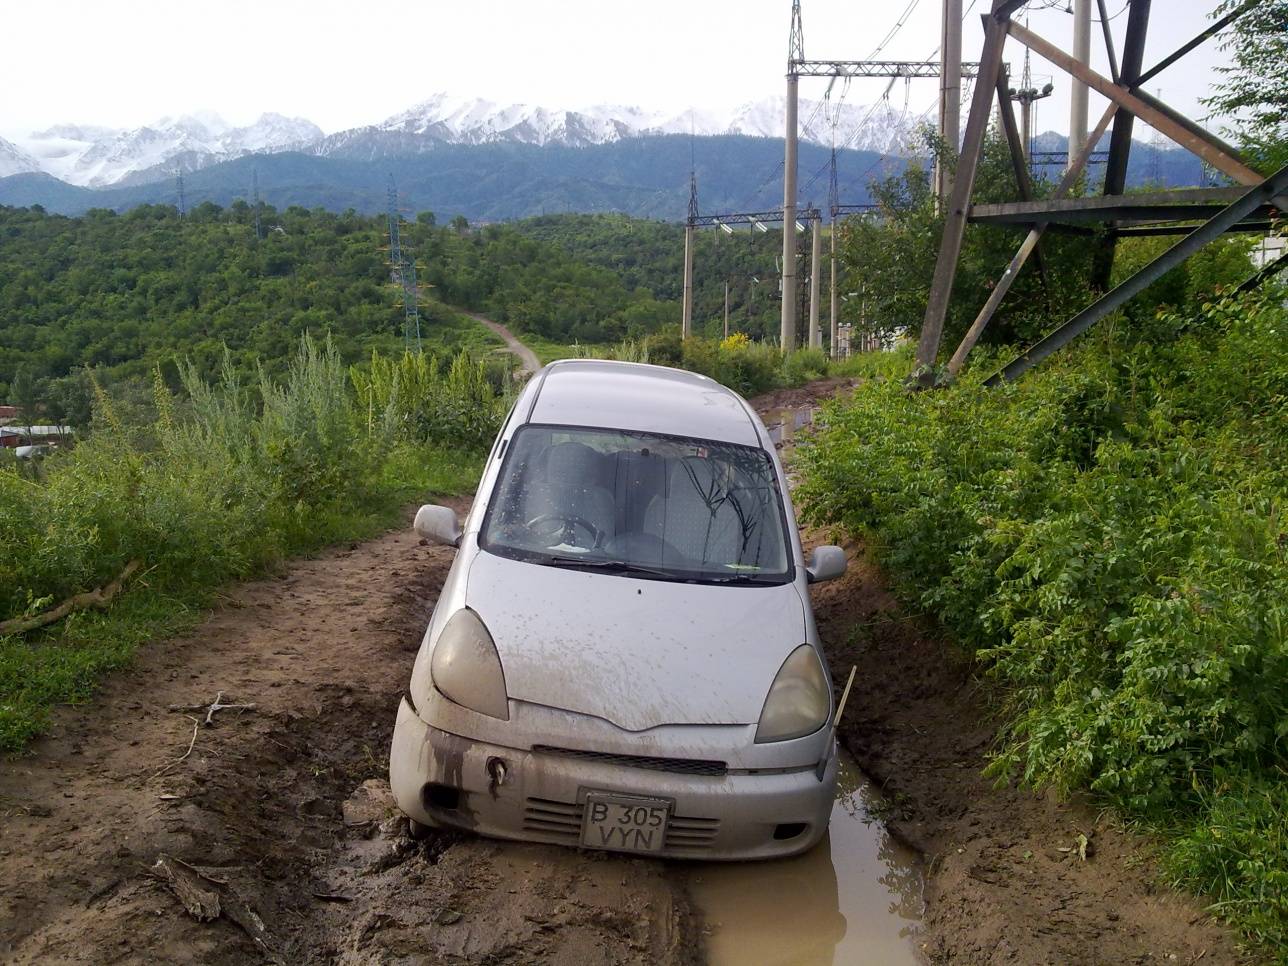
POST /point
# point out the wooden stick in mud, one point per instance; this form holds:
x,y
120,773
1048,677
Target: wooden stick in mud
x,y
91,598
836,721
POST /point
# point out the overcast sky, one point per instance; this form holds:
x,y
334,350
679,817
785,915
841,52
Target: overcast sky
x,y
341,64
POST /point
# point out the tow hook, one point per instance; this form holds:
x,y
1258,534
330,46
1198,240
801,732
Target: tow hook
x,y
496,771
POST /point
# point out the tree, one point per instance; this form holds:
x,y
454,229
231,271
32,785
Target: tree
x,y
460,224
889,259
426,218
1252,94
26,397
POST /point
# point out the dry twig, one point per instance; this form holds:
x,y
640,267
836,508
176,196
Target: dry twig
x,y
210,709
195,725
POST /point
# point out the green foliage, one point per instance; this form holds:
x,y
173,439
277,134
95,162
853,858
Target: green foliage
x,y
893,258
747,367
1107,537
417,398
121,293
207,487
1248,94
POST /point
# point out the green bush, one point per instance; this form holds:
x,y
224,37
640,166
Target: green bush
x,y
214,486
1108,538
418,398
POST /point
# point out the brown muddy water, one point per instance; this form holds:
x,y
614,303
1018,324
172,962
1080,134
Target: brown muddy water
x,y
856,898
783,424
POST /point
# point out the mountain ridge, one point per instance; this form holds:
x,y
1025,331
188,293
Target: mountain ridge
x,y
101,157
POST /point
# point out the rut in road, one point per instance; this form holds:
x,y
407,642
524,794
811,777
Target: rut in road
x,y
285,808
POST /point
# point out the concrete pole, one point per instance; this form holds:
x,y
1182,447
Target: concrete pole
x,y
815,276
950,91
1078,91
835,322
1026,120
726,327
787,333
686,318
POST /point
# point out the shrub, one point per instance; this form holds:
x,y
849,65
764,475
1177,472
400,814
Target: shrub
x,y
417,397
1107,537
214,486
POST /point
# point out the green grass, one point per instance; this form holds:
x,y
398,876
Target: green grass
x,y
446,331
64,664
546,350
219,484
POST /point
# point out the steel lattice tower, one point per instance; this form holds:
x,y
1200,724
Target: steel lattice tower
x,y
402,268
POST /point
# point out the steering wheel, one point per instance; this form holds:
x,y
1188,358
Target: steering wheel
x,y
566,528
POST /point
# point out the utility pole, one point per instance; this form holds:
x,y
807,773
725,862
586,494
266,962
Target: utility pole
x,y
795,52
815,255
1027,95
1078,89
254,190
726,325
690,232
183,202
833,204
950,92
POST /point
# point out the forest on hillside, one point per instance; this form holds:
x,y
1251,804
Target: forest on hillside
x,y
120,292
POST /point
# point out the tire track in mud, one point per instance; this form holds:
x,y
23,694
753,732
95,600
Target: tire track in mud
x,y
285,808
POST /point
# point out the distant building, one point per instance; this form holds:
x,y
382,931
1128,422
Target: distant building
x,y
12,437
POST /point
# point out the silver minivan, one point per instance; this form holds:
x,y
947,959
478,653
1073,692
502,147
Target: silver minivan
x,y
623,655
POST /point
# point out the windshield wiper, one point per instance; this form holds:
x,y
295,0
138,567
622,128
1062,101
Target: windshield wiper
x,y
609,566
735,579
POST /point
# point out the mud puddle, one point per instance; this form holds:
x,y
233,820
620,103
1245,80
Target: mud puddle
x,y
784,424
855,898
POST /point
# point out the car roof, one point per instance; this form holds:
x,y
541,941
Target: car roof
x,y
643,398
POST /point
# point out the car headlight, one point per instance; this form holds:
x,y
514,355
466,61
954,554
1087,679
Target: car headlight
x,y
799,701
466,667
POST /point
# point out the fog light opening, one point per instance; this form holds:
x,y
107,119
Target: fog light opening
x,y
789,830
443,797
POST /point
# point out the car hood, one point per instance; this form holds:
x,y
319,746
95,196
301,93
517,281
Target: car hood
x,y
639,653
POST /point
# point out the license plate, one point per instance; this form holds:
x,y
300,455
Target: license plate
x,y
624,824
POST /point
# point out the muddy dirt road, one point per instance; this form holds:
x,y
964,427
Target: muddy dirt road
x,y
270,805
276,824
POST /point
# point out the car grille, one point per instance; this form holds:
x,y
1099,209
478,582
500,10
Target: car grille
x,y
561,822
681,766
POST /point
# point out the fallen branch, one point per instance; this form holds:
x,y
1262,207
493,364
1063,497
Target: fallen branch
x,y
210,709
91,598
206,897
194,890
195,725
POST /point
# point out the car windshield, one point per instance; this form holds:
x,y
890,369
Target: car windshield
x,y
639,504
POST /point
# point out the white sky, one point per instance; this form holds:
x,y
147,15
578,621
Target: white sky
x,y
342,64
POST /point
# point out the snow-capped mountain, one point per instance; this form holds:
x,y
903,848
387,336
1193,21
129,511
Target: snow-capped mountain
x,y
14,160
455,120
96,157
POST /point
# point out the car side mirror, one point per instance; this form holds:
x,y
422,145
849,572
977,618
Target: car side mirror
x,y
825,563
438,524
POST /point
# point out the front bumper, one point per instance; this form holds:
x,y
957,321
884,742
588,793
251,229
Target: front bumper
x,y
542,795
